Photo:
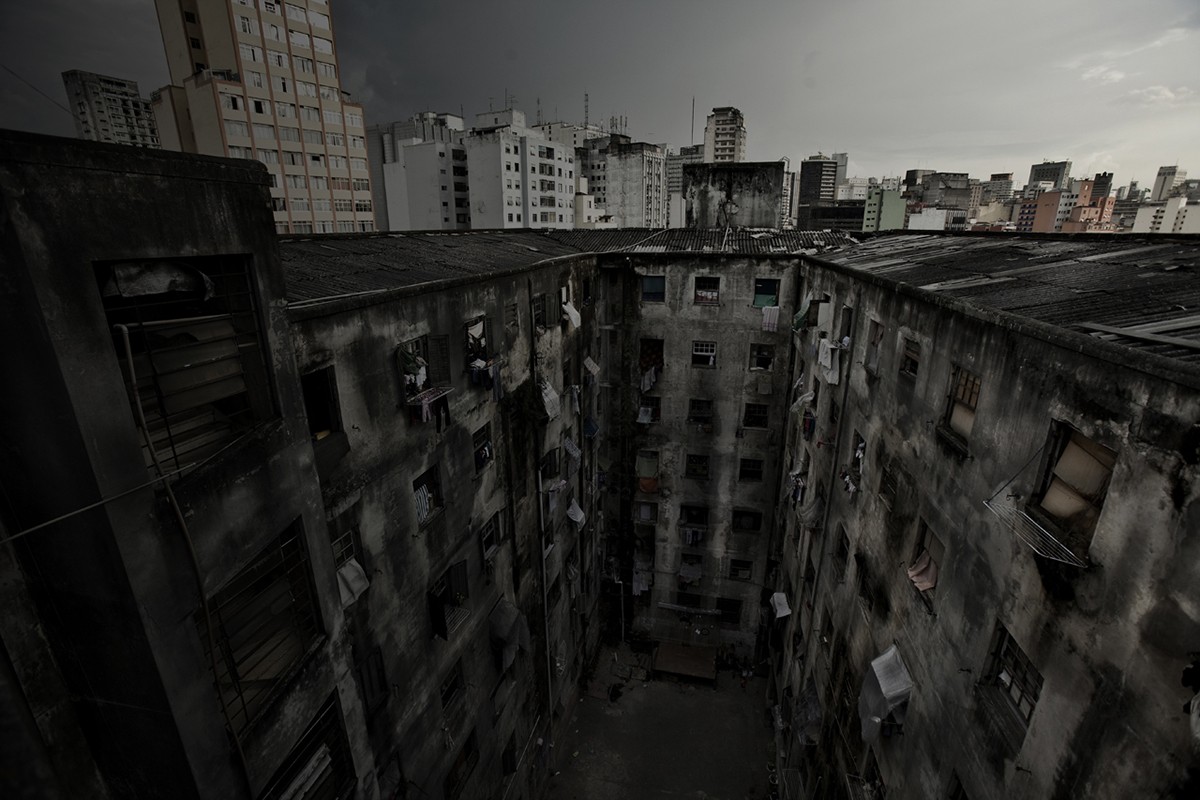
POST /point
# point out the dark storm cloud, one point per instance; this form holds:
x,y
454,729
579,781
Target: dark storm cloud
x,y
956,86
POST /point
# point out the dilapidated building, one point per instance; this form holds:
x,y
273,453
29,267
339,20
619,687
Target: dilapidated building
x,y
350,516
989,520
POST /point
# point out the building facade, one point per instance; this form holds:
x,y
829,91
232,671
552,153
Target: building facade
x,y
635,176
818,179
746,195
1165,181
883,211
1056,172
261,81
109,109
725,135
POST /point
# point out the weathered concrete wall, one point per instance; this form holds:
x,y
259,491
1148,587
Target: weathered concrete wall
x,y
734,324
372,487
745,195
1109,640
115,585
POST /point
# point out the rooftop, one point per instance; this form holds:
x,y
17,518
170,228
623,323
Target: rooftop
x,y
1142,293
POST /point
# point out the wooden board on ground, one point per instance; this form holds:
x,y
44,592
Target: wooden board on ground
x,y
691,662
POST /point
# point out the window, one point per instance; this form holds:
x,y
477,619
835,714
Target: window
x,y
548,468
489,536
427,494
957,792
910,360
741,569
874,338
344,538
232,102
321,759
539,310
295,12
747,520
645,513
454,686
303,64
196,43
475,343
927,560
841,556
766,292
762,356
235,127
887,487
708,291
277,58
298,39
700,411
196,351
1076,481
650,355
704,354
322,45
750,469
731,610
481,440
1012,675
755,415
650,409
654,288
324,419
263,622
964,396
689,599
447,600
696,467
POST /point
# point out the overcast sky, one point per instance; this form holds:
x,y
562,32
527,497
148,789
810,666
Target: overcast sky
x,y
898,84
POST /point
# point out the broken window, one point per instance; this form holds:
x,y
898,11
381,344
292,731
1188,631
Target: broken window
x,y
740,569
762,356
187,334
704,354
964,396
766,292
750,469
654,288
447,600
476,350
1012,675
1076,482
708,291
427,494
745,520
263,622
320,765
755,415
910,360
696,467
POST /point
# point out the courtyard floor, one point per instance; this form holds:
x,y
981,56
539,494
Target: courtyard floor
x,y
663,738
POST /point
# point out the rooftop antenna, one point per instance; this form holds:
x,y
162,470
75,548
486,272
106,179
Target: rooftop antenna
x,y
692,138
585,110
538,100
490,98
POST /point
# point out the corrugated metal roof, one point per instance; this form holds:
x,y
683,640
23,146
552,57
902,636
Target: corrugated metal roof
x,y
325,267
1139,293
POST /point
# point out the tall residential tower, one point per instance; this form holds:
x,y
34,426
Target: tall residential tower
x,y
725,135
109,109
260,80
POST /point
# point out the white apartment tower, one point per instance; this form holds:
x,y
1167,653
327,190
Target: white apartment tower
x,y
1167,179
259,79
725,135
109,109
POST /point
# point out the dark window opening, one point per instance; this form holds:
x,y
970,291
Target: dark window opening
x,y
475,344
650,355
708,291
447,600
324,419
730,608
654,288
320,766
750,469
427,494
700,411
461,767
755,415
195,362
696,467
766,292
762,356
740,569
747,520
704,354
910,360
482,442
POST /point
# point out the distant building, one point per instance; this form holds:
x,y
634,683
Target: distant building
x,y
883,211
636,194
725,135
853,189
570,133
1102,184
1057,172
818,179
688,154
1166,180
421,146
109,109
915,177
745,195
845,216
891,184
937,219
999,187
1174,215
262,80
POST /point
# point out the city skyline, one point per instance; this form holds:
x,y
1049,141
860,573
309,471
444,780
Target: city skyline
x,y
998,99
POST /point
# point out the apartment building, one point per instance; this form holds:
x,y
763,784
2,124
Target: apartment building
x,y
108,109
725,135
634,176
259,79
979,542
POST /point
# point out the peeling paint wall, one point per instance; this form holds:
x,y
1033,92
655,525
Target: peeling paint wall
x,y
746,195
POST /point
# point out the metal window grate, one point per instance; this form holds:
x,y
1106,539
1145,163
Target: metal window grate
x,y
319,767
1033,535
263,622
197,364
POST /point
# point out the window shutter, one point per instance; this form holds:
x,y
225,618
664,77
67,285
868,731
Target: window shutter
x,y
459,585
437,616
439,360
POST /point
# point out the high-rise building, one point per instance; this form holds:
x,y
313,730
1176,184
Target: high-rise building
x,y
725,135
689,154
1166,180
261,80
999,187
1102,184
390,144
818,179
109,109
842,160
1057,172
883,211
637,185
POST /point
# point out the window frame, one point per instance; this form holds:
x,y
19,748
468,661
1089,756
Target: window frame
x,y
965,387
753,474
697,466
761,352
649,296
910,357
1006,658
704,354
429,478
760,298
756,416
709,295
